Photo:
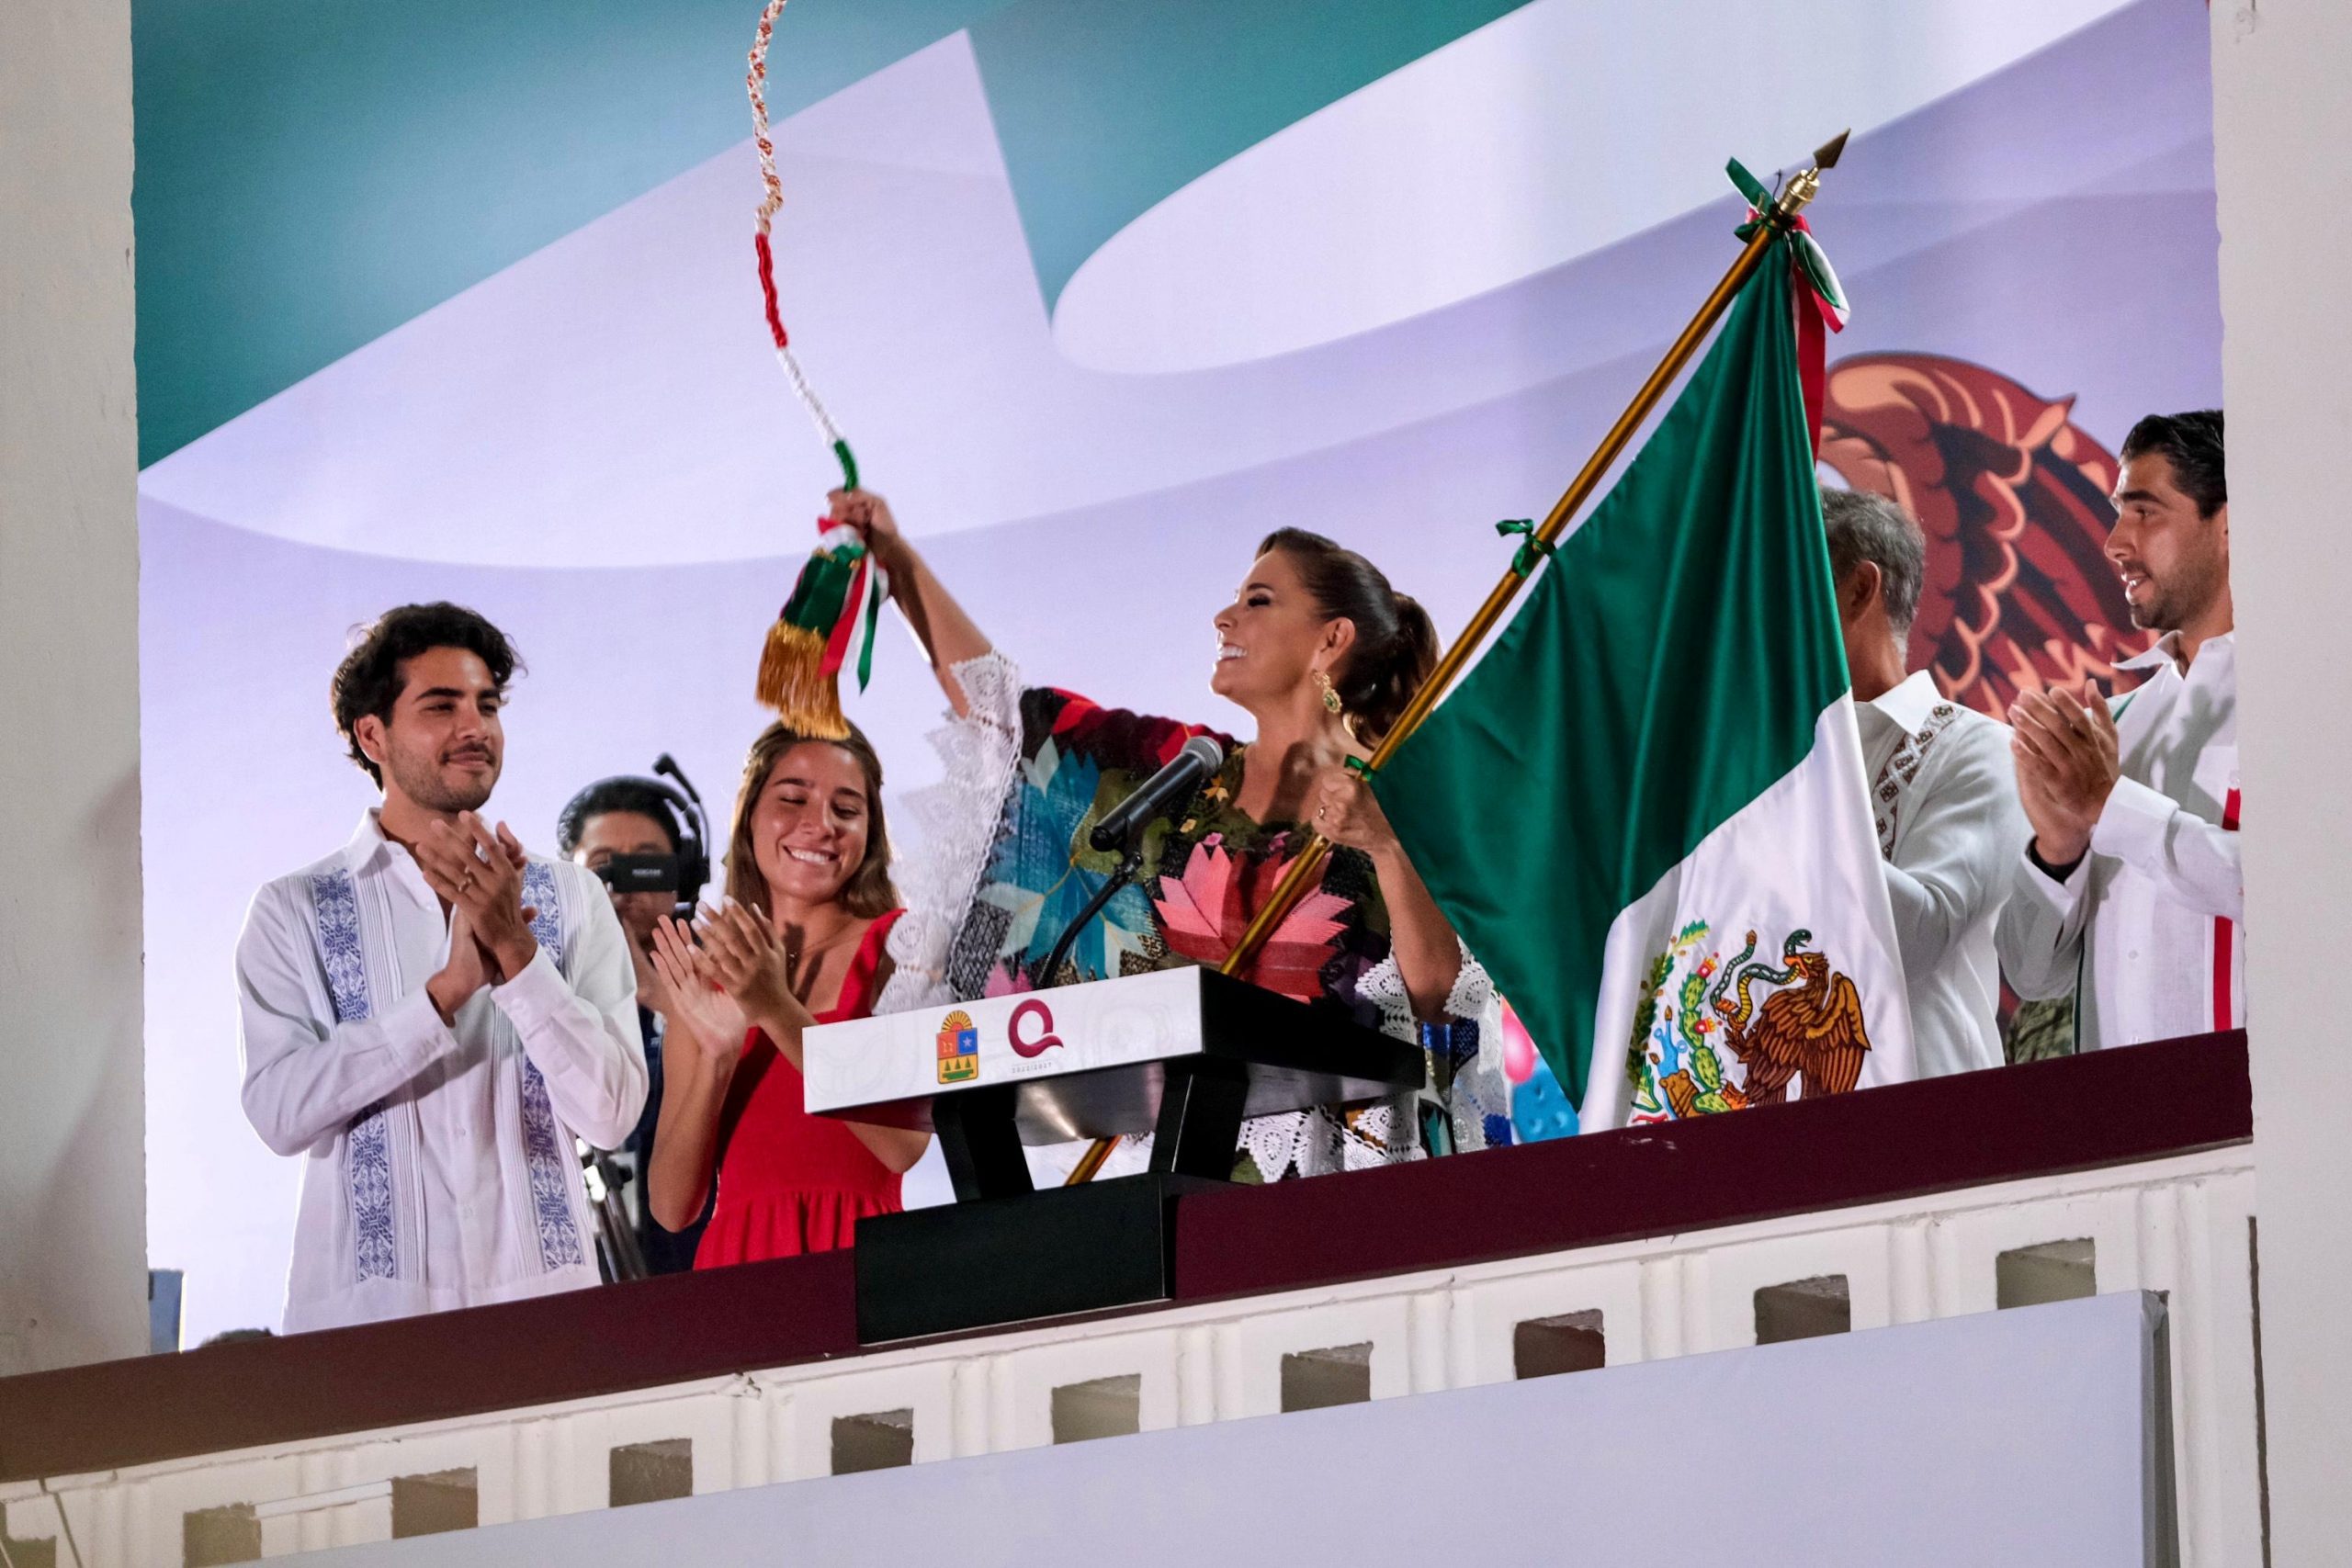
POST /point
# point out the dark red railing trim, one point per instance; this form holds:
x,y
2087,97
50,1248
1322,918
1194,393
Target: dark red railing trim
x,y
2111,1108
1906,1141
581,1345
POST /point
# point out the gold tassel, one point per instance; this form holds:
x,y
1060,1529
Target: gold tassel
x,y
792,682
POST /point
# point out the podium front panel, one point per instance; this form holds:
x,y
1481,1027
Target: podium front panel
x,y
1091,1060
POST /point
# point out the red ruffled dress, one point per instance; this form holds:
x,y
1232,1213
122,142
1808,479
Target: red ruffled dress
x,y
790,1183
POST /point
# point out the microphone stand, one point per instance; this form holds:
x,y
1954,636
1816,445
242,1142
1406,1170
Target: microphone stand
x,y
1129,863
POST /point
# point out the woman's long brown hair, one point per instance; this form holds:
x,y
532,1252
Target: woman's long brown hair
x,y
867,893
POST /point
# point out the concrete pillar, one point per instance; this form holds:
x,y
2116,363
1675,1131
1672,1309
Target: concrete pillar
x,y
2281,122
73,1165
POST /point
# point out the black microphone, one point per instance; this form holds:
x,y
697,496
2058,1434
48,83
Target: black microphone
x,y
1200,758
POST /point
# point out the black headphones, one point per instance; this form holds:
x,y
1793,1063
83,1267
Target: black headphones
x,y
693,859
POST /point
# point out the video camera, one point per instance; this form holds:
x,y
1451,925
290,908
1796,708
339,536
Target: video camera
x,y
682,875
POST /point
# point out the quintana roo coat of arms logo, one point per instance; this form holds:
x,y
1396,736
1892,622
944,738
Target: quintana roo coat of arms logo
x,y
1700,1019
959,1048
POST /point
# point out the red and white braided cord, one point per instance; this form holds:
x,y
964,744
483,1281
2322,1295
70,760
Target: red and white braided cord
x,y
770,198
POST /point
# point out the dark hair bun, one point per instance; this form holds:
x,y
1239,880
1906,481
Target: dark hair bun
x,y
1396,645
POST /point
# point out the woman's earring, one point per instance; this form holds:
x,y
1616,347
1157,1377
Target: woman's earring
x,y
1331,703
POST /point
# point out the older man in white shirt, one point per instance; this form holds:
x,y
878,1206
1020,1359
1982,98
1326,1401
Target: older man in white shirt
x,y
1940,786
430,1014
2130,893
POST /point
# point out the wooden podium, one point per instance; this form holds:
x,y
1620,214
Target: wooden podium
x,y
1184,1054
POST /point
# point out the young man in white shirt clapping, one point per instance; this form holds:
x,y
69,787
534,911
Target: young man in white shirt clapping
x,y
2130,893
429,1014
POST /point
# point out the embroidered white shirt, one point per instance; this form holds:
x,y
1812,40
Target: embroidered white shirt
x,y
439,1167
2145,929
1944,791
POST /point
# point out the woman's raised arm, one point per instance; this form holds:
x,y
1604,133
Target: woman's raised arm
x,y
947,634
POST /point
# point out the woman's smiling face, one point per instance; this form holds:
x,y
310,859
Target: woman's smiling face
x,y
810,827
1267,640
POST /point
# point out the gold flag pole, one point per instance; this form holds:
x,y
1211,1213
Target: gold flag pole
x,y
1792,199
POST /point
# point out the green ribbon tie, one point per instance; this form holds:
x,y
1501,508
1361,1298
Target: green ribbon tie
x,y
1757,195
1534,546
849,465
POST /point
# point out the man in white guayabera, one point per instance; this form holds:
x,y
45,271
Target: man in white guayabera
x,y
2131,893
1941,788
430,1014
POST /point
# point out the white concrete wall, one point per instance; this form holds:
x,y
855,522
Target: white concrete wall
x,y
73,1166
2281,122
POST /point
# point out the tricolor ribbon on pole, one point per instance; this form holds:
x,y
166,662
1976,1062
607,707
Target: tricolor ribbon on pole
x,y
830,619
1821,302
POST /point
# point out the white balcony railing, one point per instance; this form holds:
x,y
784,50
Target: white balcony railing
x,y
2182,1225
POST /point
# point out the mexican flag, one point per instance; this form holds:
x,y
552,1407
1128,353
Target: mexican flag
x,y
1644,808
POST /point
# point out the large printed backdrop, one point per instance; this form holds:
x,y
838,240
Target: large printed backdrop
x,y
1101,292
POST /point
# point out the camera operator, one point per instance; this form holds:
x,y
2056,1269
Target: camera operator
x,y
627,831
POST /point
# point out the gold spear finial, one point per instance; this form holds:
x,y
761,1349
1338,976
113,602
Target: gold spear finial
x,y
1801,189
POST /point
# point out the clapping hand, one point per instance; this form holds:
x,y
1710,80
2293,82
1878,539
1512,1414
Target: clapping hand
x,y
749,959
444,856
652,991
466,969
706,1016
2068,758
479,875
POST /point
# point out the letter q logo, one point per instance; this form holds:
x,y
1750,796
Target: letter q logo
x,y
1043,1039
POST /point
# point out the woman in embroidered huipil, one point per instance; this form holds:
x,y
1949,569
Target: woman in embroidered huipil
x,y
1323,654
799,942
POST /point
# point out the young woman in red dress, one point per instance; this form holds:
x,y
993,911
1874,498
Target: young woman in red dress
x,y
799,942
